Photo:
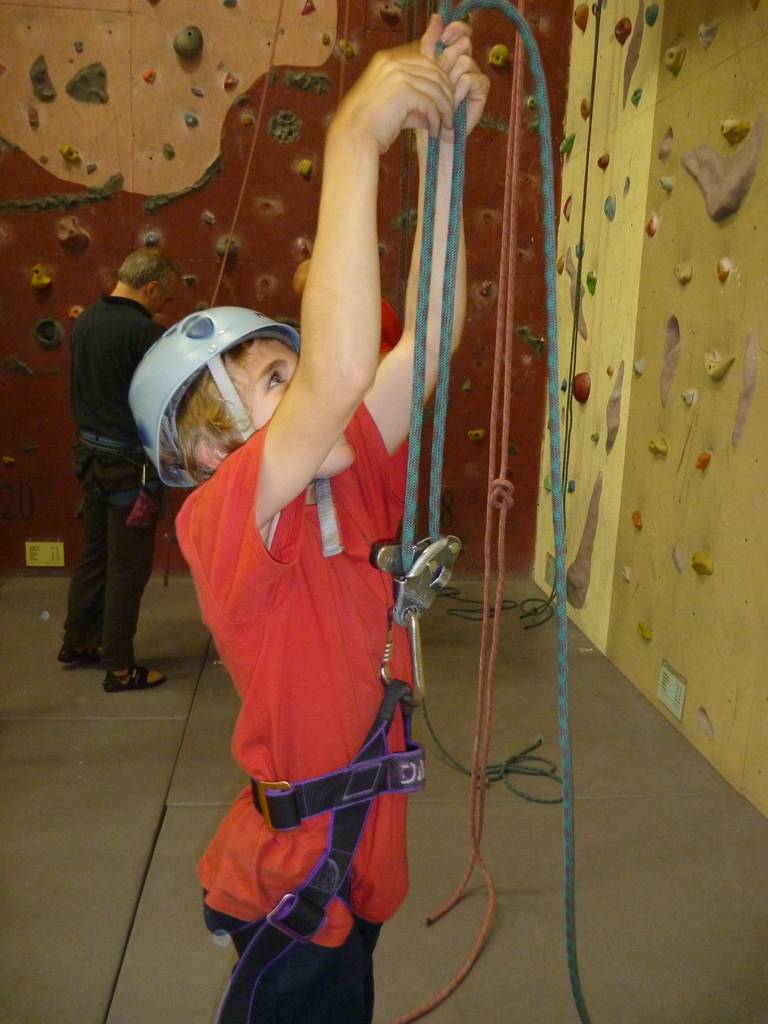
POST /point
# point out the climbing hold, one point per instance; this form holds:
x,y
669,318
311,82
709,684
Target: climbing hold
x,y
684,272
678,557
579,249
636,96
667,182
747,388
610,207
594,438
197,91
8,460
702,563
325,39
532,103
623,30
626,187
651,14
284,126
639,366
645,630
665,147
191,120
168,151
571,487
247,118
190,280
225,245
230,3
74,312
48,333
637,519
603,161
188,42
346,49
716,366
547,483
70,154
734,130
581,16
626,573
207,217
90,167
476,435
672,351
309,8
33,117
658,445
499,56
725,181
466,387
703,460
149,76
705,723
690,396
576,286
42,86
560,264
610,369
585,108
151,238
633,52
591,282
564,386
39,279
674,58
89,85
582,385
78,45
567,207
304,168
230,81
725,266
652,225
613,411
707,33
567,144
71,234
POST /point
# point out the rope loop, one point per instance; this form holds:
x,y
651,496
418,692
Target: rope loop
x,y
502,494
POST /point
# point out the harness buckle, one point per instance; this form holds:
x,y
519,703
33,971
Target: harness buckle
x,y
313,916
261,796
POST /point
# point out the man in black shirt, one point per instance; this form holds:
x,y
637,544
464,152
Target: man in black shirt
x,y
120,488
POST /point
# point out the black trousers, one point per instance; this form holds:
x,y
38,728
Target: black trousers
x,y
311,984
108,582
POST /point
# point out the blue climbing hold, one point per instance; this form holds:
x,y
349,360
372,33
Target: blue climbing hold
x,y
610,207
651,14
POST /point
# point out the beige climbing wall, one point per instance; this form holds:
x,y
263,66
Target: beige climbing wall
x,y
646,605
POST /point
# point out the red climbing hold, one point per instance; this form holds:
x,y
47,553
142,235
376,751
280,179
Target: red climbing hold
x,y
309,8
582,385
603,161
623,30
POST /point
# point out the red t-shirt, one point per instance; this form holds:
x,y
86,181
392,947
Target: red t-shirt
x,y
302,637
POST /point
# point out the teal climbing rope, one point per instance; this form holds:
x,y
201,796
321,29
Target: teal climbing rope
x,y
414,441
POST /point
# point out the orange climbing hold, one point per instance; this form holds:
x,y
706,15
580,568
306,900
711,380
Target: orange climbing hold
x,y
703,460
637,519
149,76
581,16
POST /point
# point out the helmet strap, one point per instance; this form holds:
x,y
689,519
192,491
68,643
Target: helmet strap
x,y
228,392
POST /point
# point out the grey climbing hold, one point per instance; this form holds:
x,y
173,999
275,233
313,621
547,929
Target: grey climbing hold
x,y
89,85
168,151
667,182
665,149
207,217
188,42
725,181
151,238
191,120
609,207
190,280
90,167
707,33
197,91
48,333
42,86
284,126
78,44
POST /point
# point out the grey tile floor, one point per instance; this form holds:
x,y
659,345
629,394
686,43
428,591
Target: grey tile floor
x,y
106,801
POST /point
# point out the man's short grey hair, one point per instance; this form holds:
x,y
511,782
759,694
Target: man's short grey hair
x,y
145,265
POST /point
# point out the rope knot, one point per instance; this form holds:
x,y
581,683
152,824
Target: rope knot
x,y
502,494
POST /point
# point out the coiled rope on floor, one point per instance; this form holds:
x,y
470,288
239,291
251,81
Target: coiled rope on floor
x,y
499,487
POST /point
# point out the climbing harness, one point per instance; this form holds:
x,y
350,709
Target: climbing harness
x,y
348,794
501,488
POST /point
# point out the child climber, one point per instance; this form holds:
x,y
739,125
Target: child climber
x,y
301,462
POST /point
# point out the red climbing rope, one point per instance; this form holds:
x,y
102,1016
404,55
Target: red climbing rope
x,y
249,161
500,494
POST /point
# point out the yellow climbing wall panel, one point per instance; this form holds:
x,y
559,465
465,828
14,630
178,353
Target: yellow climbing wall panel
x,y
695,300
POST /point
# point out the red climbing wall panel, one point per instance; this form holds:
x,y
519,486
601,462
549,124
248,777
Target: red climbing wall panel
x,y
38,494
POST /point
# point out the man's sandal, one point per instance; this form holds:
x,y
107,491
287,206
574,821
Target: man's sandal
x,y
69,655
136,679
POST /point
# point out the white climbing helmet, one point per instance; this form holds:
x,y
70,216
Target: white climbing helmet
x,y
169,367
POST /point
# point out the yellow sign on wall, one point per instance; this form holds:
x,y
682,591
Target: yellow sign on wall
x,y
45,553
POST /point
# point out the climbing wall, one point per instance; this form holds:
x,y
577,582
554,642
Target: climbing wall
x,y
125,122
664,533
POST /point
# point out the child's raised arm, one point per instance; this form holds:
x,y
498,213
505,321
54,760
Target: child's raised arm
x,y
401,88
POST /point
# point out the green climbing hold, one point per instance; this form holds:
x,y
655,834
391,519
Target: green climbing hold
x,y
547,483
89,85
592,282
651,14
42,86
567,144
636,96
188,42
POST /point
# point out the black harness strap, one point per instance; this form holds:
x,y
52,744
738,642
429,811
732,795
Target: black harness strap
x,y
299,915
